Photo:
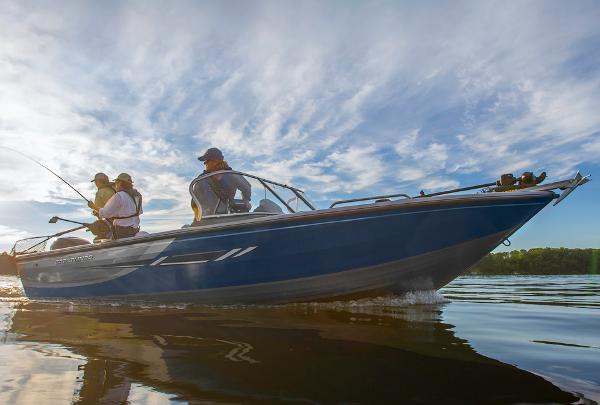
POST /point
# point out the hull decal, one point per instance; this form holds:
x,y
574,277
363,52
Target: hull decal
x,y
190,258
226,255
247,250
58,284
197,258
157,262
182,263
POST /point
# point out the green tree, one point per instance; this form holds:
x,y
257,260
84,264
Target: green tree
x,y
539,261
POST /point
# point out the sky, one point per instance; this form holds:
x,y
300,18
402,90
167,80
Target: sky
x,y
340,98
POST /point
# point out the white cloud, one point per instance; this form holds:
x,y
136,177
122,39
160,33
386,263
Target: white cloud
x,y
556,120
420,160
10,235
406,146
411,173
358,168
438,184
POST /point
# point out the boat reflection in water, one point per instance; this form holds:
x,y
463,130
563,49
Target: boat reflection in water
x,y
301,353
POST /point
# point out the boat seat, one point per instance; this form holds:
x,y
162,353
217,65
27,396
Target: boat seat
x,y
266,205
62,243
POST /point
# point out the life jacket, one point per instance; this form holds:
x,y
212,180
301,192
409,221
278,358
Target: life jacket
x,y
107,186
104,193
231,204
214,186
137,200
104,227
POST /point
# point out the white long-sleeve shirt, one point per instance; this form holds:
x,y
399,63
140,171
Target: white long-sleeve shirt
x,y
121,205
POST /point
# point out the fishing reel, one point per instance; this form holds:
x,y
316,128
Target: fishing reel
x,y
527,179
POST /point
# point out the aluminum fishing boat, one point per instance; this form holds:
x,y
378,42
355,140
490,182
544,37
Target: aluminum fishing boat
x,y
284,249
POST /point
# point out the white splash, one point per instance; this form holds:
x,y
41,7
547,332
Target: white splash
x,y
429,297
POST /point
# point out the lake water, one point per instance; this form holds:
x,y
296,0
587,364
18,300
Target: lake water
x,y
480,340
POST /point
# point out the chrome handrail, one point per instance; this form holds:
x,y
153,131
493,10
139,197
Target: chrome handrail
x,y
299,193
205,175
377,197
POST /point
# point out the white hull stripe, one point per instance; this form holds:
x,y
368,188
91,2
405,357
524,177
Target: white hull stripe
x,y
226,255
179,263
157,262
247,250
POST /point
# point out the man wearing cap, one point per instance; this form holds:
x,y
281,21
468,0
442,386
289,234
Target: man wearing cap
x,y
104,193
217,193
123,209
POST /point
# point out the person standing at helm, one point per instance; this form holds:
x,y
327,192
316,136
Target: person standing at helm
x,y
104,193
123,209
223,188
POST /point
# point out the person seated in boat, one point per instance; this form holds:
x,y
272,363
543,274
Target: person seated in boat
x,y
123,210
217,193
104,193
266,205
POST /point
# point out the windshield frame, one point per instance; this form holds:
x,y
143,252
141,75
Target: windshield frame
x,y
264,182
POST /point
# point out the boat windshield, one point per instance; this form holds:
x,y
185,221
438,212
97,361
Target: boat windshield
x,y
228,192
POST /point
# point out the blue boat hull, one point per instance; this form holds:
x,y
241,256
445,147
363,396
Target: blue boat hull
x,y
341,253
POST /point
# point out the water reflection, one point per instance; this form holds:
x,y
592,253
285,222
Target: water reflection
x,y
546,324
581,291
298,353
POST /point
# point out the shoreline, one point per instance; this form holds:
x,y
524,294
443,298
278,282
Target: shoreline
x,y
539,261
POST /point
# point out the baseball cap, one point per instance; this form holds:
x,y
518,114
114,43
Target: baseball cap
x,y
124,177
100,176
211,154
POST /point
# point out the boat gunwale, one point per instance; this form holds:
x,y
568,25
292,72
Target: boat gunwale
x,y
291,217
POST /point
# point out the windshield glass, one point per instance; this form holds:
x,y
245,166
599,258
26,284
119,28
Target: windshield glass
x,y
290,198
231,193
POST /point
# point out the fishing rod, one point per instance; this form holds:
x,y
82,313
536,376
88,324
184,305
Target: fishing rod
x,y
47,168
54,220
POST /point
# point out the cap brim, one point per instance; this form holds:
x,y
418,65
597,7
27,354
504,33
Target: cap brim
x,y
202,158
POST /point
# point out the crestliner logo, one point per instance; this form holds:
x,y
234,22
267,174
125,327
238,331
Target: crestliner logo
x,y
76,259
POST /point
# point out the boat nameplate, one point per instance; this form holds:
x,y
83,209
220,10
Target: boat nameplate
x,y
75,259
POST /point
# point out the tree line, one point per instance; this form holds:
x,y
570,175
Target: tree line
x,y
539,261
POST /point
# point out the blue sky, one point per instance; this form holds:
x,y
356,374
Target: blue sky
x,y
340,98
